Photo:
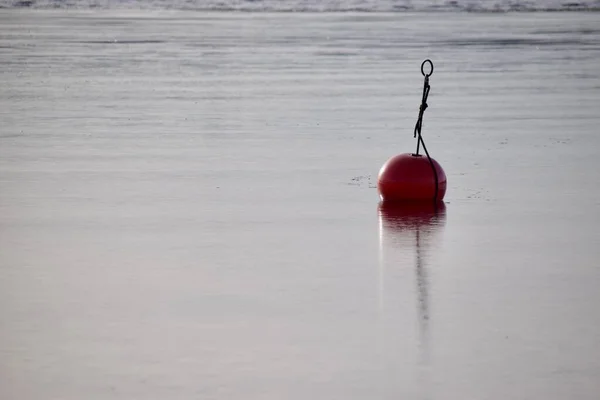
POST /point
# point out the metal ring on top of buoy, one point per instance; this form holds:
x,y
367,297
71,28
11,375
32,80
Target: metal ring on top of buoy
x,y
423,66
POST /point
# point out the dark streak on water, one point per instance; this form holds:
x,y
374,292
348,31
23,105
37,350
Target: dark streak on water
x,y
116,41
514,42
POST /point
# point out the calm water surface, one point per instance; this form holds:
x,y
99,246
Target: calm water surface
x,y
188,206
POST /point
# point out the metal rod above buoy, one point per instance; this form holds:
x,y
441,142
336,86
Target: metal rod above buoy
x,y
411,177
423,106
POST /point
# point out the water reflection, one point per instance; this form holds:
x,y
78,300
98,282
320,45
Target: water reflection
x,y
397,218
412,226
411,231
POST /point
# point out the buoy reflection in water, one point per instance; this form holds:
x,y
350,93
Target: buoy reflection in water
x,y
409,234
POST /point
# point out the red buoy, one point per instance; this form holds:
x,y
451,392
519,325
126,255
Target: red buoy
x,y
413,177
410,177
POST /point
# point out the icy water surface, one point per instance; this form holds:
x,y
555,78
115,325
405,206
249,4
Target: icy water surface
x,y
188,210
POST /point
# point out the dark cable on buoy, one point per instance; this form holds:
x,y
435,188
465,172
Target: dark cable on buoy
x,y
419,124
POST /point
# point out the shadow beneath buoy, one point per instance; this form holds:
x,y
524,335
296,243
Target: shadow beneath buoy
x,y
397,218
411,231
